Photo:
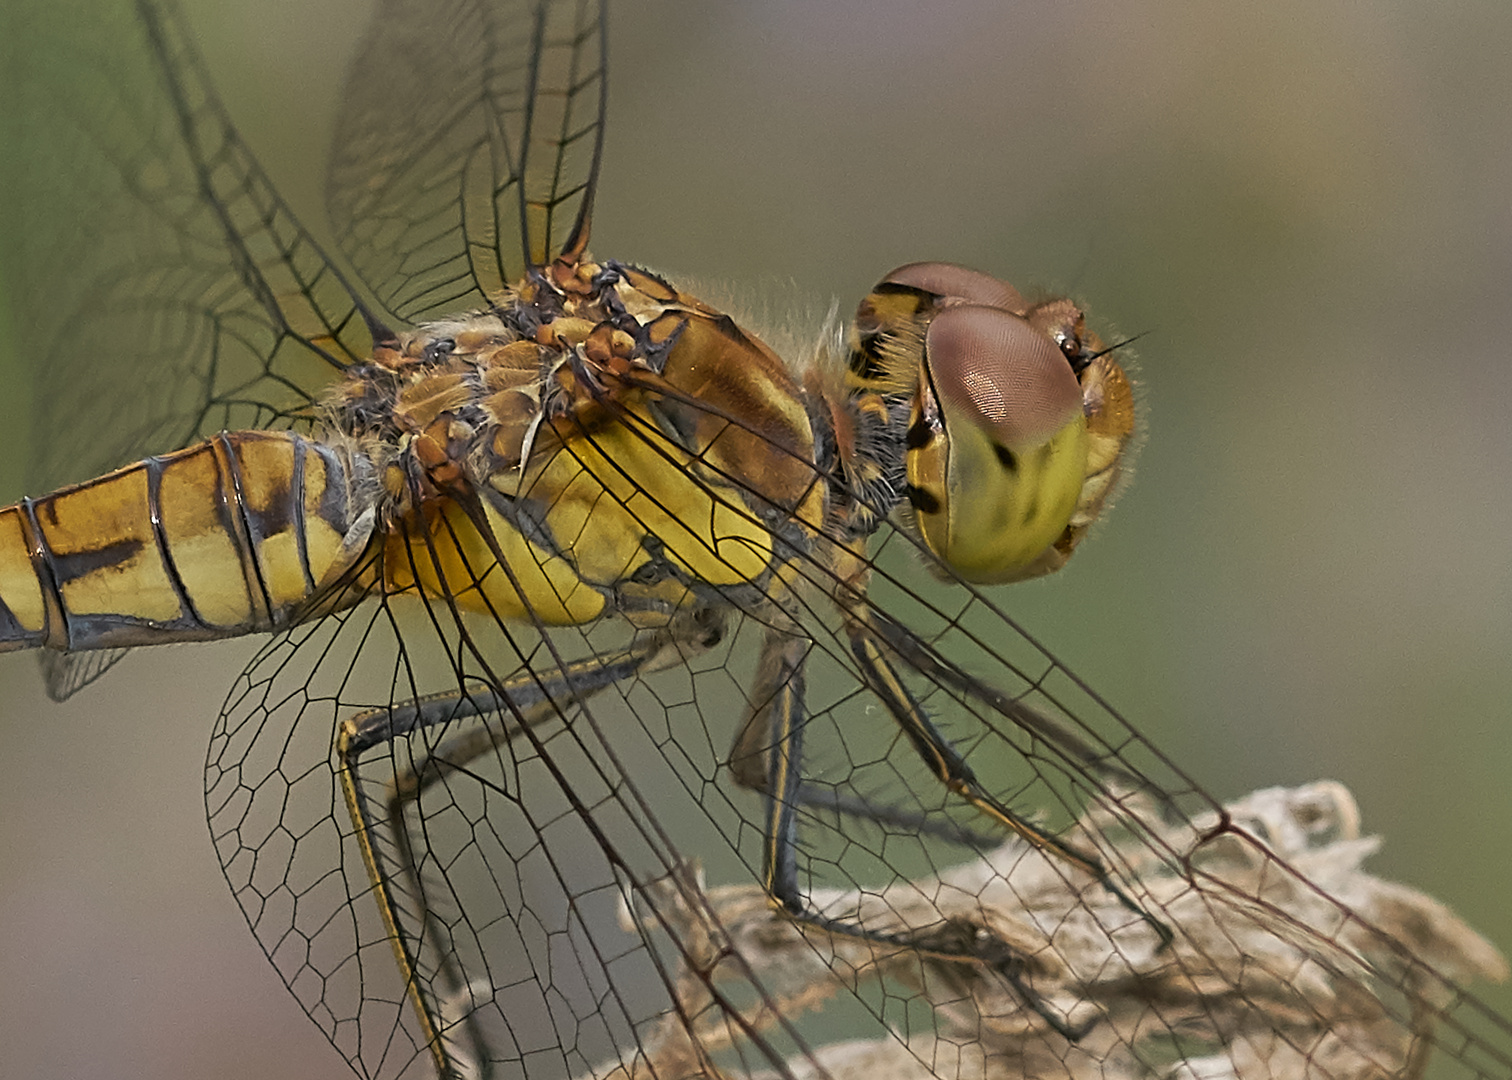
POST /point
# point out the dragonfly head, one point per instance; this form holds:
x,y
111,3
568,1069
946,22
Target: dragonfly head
x,y
1006,441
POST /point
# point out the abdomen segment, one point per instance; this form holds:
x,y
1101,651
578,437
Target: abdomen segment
x,y
232,536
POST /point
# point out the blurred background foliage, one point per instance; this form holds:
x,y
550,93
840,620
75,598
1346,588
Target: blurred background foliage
x,y
1305,207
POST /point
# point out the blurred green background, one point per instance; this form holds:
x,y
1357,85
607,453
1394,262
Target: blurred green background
x,y
1306,207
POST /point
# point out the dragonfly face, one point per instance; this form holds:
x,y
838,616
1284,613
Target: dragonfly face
x,y
1018,422
552,552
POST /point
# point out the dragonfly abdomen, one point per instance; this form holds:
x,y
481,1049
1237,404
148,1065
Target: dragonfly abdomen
x,y
232,536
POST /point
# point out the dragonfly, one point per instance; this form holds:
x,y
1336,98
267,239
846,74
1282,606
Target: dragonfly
x,y
572,582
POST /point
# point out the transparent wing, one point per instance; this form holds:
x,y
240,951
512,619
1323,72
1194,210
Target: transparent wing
x,y
572,874
65,674
467,147
512,875
159,287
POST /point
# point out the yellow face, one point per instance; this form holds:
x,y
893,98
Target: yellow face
x,y
1018,422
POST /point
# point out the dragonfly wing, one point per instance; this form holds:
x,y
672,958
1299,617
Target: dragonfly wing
x,y
468,147
532,874
160,290
522,878
65,674
537,875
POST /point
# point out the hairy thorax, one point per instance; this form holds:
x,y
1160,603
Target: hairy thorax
x,y
598,442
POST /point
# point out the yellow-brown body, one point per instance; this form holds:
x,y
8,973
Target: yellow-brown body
x,y
608,484
623,499
596,443
600,444
229,537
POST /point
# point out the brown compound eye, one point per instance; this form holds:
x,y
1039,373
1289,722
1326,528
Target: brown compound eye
x,y
995,488
1000,372
959,283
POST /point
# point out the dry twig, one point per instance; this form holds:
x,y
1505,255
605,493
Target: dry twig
x,y
1288,959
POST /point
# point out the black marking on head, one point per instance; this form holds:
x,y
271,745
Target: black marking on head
x,y
1032,511
897,288
866,360
1006,457
919,435
922,499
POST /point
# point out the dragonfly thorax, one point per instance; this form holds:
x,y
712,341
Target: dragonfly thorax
x,y
614,445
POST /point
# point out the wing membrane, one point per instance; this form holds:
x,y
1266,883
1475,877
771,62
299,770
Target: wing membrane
x,y
545,871
509,871
467,147
160,289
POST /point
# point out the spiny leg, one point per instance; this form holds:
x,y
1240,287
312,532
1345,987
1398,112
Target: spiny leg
x,y
916,655
951,769
395,875
779,713
525,701
748,766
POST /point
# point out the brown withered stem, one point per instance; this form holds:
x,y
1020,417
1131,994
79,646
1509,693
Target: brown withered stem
x,y
1287,959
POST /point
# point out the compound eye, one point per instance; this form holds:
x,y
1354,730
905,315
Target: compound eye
x,y
1001,373
995,483
959,283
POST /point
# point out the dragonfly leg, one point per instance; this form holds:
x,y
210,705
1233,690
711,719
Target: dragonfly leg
x,y
394,871
774,735
952,770
917,656
748,765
